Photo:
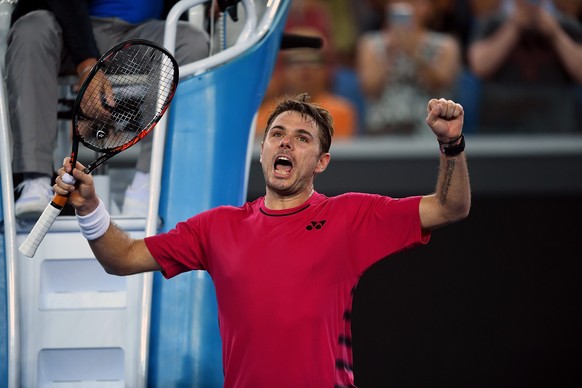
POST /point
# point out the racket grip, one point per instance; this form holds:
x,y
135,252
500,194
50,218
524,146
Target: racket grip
x,y
40,229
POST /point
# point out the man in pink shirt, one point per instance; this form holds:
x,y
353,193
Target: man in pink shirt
x,y
284,266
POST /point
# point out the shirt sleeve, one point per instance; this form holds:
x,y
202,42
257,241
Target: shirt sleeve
x,y
382,226
180,249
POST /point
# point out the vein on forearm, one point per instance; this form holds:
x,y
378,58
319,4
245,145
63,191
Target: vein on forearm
x,y
446,181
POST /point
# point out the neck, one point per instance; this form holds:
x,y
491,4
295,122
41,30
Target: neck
x,y
275,201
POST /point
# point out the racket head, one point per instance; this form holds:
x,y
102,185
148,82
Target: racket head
x,y
124,96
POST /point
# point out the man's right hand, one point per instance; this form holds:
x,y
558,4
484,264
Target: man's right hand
x,y
81,195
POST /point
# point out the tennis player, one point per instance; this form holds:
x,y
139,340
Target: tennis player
x,y
285,265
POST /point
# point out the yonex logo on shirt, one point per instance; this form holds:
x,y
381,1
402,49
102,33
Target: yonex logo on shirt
x,y
315,225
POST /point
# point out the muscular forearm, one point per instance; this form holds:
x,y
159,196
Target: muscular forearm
x,y
452,199
119,254
453,193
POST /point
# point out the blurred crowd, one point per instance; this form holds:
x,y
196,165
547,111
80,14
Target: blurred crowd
x,y
515,65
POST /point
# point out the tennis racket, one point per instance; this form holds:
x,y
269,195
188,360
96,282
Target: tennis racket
x,y
124,96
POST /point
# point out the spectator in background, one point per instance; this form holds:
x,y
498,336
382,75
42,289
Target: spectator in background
x,y
345,34
528,55
309,71
313,13
401,65
336,22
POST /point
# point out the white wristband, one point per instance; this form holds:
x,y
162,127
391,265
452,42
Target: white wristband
x,y
94,224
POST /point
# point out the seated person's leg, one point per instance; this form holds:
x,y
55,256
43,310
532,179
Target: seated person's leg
x,y
33,60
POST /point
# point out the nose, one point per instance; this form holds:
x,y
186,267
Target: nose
x,y
285,142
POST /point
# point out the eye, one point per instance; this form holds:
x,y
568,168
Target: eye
x,y
303,139
276,134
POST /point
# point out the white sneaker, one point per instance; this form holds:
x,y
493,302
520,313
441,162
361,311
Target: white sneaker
x,y
35,195
137,194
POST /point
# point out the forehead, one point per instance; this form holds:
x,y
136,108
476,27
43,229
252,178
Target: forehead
x,y
292,120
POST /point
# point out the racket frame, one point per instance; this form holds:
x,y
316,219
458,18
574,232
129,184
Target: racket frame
x,y
77,112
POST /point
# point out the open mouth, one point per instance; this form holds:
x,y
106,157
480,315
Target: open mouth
x,y
283,165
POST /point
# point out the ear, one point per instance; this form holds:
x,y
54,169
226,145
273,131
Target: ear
x,y
323,162
261,154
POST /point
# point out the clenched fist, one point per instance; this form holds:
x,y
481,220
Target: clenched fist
x,y
445,118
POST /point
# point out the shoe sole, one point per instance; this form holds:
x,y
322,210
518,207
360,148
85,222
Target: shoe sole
x,y
29,216
29,212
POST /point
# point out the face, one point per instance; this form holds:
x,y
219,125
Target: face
x,y
421,9
291,155
305,71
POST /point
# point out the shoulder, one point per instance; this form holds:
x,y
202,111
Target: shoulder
x,y
356,204
356,199
364,199
223,212
231,210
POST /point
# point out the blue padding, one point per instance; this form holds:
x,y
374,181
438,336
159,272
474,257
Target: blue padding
x,y
205,166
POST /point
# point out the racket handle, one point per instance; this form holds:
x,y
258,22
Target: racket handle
x,y
40,229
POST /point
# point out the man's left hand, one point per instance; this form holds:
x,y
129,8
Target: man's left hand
x,y
445,118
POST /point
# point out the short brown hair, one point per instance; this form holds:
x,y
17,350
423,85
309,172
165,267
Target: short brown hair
x,y
299,103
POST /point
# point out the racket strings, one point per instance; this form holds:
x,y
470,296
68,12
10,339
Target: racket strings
x,y
126,97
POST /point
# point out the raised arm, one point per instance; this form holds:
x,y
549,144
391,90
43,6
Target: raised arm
x,y
452,200
116,251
